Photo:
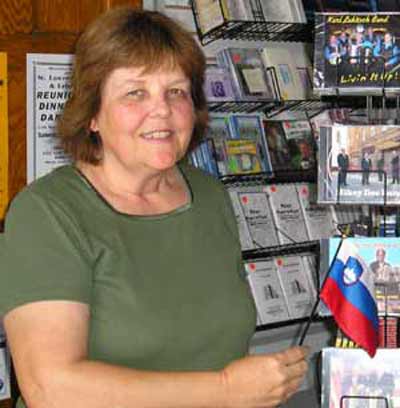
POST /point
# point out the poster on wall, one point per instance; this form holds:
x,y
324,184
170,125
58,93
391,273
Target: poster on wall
x,y
3,135
48,88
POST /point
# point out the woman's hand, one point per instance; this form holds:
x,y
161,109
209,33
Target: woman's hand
x,y
264,380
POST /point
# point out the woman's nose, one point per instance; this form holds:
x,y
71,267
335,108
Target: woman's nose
x,y
161,106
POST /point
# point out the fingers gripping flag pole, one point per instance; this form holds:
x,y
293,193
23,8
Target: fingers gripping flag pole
x,y
348,292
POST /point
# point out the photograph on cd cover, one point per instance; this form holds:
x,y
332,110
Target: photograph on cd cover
x,y
356,52
359,165
381,255
291,145
242,156
277,146
351,379
301,143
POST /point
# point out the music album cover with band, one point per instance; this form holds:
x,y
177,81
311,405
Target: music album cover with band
x,y
357,52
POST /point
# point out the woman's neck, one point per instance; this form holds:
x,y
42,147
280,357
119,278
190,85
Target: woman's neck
x,y
121,182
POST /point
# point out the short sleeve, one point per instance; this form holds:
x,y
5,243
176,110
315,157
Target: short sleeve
x,y
43,255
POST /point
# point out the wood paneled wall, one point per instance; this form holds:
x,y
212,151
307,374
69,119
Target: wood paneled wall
x,y
38,26
43,26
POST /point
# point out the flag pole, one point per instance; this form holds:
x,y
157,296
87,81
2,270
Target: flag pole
x,y
311,316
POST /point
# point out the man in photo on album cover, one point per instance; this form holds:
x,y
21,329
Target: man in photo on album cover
x,y
343,164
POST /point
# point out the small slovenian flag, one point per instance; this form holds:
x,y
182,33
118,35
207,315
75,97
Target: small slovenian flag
x,y
348,292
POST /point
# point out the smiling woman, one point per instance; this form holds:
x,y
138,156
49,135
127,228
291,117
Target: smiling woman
x,y
145,41
124,270
145,121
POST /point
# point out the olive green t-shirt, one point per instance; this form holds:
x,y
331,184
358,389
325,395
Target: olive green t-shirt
x,y
165,292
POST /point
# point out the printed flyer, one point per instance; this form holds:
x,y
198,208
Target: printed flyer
x,y
48,88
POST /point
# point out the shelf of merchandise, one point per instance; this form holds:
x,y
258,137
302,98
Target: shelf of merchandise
x,y
255,30
281,250
268,31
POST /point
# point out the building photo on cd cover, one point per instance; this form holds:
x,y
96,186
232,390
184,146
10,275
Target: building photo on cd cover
x,y
357,52
359,165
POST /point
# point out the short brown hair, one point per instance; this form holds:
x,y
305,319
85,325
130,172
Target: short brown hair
x,y
126,37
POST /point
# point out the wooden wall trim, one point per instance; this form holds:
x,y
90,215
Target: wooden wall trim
x,y
75,15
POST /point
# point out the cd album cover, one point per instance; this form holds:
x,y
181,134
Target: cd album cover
x,y
257,212
359,165
217,85
357,52
382,256
351,379
250,78
288,214
267,291
242,156
250,127
290,144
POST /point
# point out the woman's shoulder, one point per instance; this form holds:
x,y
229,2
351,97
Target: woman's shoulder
x,y
57,186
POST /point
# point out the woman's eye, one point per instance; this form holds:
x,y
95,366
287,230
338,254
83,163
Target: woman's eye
x,y
136,93
177,92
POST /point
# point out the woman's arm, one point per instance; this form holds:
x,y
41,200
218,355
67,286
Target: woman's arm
x,y
48,342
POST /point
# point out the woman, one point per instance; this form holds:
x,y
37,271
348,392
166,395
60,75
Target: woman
x,y
124,269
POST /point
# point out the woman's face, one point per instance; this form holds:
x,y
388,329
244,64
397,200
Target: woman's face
x,y
145,119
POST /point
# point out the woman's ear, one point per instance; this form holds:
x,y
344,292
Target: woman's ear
x,y
93,125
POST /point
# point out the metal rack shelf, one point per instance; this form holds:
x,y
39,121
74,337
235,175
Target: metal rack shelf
x,y
262,178
259,31
311,107
243,106
293,322
271,108
279,250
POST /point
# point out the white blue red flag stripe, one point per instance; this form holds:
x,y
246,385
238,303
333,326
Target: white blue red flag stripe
x,y
348,292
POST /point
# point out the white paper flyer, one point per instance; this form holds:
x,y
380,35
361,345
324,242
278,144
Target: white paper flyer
x,y
48,88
